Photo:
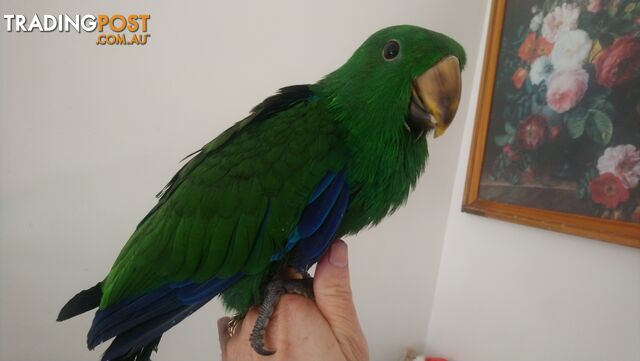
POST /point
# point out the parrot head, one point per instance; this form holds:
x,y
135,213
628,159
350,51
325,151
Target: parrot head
x,y
401,76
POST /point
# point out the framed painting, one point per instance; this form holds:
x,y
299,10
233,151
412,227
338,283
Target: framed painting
x,y
557,135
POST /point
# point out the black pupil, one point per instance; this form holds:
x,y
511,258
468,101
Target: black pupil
x,y
391,50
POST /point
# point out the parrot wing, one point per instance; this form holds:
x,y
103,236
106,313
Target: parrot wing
x,y
272,182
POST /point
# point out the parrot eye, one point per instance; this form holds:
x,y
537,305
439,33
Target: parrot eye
x,y
391,50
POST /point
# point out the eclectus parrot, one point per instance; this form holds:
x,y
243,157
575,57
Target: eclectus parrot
x,y
312,163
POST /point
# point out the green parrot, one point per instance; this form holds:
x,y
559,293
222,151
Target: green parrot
x,y
312,163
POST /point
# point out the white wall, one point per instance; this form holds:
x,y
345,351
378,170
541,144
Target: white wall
x,y
507,292
89,134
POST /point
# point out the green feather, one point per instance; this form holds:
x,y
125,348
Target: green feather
x,y
234,204
207,224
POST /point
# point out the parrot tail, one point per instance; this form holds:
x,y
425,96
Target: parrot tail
x,y
84,301
144,354
137,323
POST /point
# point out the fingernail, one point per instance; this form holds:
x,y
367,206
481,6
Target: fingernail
x,y
338,256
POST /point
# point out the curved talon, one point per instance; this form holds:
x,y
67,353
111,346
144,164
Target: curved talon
x,y
257,343
273,292
259,329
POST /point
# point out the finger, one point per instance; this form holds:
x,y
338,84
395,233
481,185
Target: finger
x,y
332,290
223,334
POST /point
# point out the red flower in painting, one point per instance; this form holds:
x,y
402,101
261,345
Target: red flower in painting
x,y
608,190
543,47
532,131
619,63
519,77
510,153
594,6
624,162
554,133
527,51
533,47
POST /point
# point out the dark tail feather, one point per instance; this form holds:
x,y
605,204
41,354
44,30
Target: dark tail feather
x,y
144,354
82,302
126,345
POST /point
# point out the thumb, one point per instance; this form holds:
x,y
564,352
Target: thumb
x,y
332,290
223,335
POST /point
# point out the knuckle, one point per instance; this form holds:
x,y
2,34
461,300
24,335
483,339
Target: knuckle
x,y
336,291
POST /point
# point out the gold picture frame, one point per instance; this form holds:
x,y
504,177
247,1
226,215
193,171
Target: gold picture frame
x,y
602,224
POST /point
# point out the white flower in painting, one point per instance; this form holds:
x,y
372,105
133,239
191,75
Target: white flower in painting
x,y
624,162
571,50
536,21
562,18
541,69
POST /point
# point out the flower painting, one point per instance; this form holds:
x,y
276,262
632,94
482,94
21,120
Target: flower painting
x,y
560,113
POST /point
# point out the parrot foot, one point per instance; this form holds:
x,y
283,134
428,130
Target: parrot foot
x,y
273,292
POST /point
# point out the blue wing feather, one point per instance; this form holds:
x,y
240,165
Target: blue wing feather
x,y
317,211
172,297
310,249
320,204
324,183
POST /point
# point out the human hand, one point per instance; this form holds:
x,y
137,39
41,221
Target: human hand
x,y
301,329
